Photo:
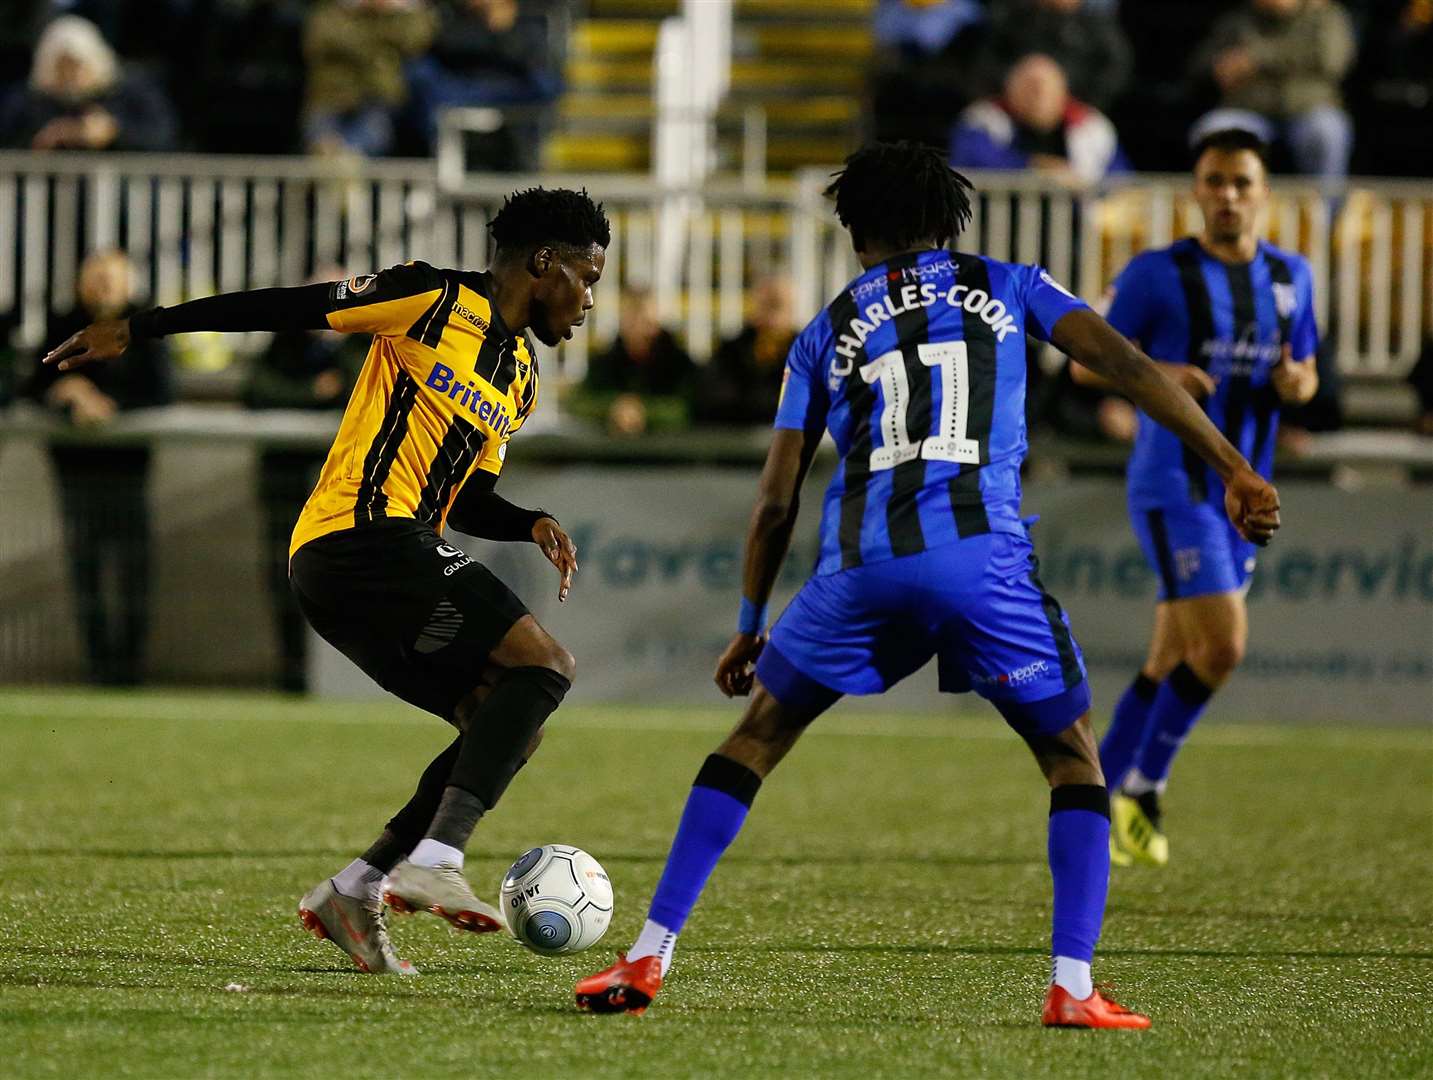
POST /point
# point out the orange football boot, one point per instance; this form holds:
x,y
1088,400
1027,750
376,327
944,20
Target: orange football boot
x,y
627,986
1062,1009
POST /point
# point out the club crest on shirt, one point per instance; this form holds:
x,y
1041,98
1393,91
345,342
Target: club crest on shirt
x,y
1048,280
1286,298
354,286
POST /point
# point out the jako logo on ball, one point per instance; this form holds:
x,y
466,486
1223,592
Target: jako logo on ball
x,y
557,899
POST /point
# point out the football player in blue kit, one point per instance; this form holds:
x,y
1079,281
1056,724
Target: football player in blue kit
x,y
1232,318
917,368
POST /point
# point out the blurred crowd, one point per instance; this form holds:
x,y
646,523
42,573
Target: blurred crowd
x,y
1080,89
363,77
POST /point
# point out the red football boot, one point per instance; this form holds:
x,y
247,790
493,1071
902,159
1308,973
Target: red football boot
x,y
1096,1011
627,986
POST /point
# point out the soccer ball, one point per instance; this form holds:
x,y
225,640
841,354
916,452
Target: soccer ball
x,y
557,899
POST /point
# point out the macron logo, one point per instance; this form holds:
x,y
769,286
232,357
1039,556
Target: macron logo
x,y
444,380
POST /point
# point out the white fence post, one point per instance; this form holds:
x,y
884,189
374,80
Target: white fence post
x,y
192,223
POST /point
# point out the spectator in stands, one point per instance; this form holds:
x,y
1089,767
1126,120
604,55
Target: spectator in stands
x,y
488,53
300,369
1038,125
925,26
1278,65
642,382
742,383
356,52
919,78
103,489
1088,44
79,98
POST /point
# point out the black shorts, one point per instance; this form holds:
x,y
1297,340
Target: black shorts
x,y
413,611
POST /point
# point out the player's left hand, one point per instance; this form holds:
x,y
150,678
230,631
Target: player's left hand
x,y
1252,505
736,669
559,549
103,340
1295,381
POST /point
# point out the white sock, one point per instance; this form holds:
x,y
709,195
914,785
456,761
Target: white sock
x,y
359,880
656,940
430,852
1136,783
1073,976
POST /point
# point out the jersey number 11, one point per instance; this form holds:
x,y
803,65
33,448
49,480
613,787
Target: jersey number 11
x,y
951,443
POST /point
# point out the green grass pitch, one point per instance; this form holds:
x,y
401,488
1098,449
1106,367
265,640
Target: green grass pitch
x,y
885,913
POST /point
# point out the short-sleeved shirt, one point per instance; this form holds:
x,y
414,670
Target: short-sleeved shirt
x,y
444,388
1233,319
917,368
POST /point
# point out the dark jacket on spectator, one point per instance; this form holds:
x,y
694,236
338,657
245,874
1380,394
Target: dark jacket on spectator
x,y
739,386
667,371
988,137
1089,45
142,380
512,64
139,107
283,374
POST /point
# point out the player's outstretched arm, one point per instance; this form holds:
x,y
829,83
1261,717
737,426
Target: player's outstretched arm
x,y
768,536
302,308
1251,501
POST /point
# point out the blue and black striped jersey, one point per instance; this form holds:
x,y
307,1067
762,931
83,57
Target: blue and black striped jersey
x,y
1232,319
918,370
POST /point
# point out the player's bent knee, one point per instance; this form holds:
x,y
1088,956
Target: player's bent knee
x,y
562,662
1217,658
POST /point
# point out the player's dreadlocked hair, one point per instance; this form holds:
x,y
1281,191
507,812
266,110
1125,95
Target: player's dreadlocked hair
x,y
900,194
559,217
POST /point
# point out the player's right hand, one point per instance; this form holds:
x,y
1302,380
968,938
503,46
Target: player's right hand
x,y
1194,381
736,669
1252,505
103,340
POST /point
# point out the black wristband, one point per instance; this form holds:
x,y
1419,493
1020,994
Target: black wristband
x,y
145,324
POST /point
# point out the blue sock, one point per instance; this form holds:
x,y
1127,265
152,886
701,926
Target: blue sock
x,y
1079,852
716,808
1179,703
1126,731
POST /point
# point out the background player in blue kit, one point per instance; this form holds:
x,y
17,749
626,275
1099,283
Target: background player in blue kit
x,y
918,370
1232,319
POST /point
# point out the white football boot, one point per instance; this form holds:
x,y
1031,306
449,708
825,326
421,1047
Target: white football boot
x,y
355,926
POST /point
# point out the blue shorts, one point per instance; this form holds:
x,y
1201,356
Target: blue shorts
x,y
1193,550
976,605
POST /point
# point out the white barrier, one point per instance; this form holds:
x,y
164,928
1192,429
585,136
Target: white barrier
x,y
197,224
1341,609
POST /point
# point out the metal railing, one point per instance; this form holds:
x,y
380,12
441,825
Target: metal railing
x,y
196,224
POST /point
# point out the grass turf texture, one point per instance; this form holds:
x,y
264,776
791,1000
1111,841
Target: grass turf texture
x,y
885,913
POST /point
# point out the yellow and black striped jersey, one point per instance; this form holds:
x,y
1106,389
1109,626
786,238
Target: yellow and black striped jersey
x,y
444,388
